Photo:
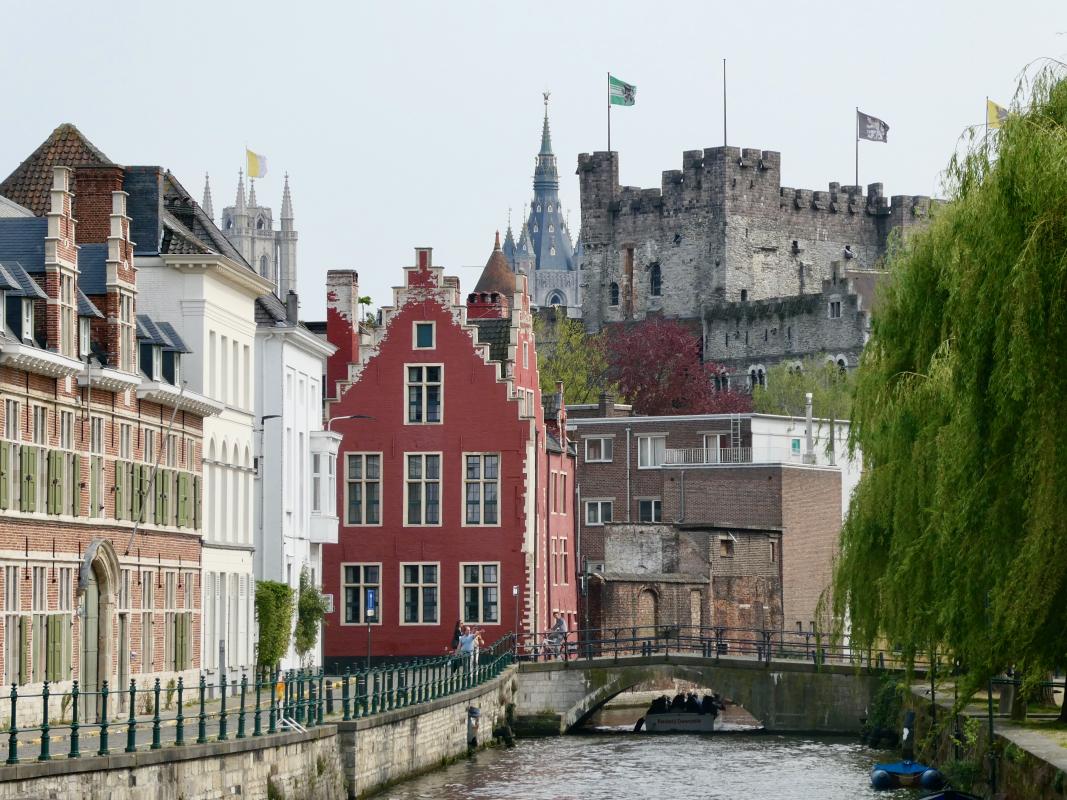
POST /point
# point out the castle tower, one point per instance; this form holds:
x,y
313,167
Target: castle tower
x,y
250,228
544,250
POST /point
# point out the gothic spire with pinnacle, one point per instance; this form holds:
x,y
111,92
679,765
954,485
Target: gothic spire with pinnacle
x,y
206,205
252,193
546,136
287,200
545,175
239,206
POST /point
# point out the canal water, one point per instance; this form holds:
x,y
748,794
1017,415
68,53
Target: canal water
x,y
610,762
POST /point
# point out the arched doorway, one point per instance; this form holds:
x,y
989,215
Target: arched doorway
x,y
645,613
97,580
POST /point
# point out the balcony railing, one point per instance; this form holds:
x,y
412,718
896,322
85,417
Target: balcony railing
x,y
704,456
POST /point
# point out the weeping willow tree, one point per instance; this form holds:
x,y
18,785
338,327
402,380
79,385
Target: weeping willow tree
x,y
957,534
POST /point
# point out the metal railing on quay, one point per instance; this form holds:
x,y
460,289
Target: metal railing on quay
x,y
759,644
79,723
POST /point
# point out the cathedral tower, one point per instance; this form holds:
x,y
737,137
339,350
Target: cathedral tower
x,y
250,228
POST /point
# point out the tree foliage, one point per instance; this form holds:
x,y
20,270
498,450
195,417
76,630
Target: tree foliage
x,y
310,610
565,352
957,534
830,387
274,613
657,367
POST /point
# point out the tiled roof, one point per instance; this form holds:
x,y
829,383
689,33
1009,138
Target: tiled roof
x,y
269,309
187,211
7,281
86,307
9,208
92,268
497,334
22,240
27,286
552,443
497,275
178,239
177,344
159,333
31,181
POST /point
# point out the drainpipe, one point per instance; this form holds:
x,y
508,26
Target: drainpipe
x,y
536,531
809,456
681,498
627,474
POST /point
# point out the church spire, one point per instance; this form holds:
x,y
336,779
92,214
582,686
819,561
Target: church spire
x,y
252,193
287,200
206,205
239,206
546,137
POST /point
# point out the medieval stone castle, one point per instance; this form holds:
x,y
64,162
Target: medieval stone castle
x,y
763,272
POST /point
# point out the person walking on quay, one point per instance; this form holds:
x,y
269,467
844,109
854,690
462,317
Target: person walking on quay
x,y
469,641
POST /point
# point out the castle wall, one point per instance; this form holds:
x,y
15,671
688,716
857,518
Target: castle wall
x,y
723,229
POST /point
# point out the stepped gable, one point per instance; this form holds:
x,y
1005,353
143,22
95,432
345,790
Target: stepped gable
x,y
29,184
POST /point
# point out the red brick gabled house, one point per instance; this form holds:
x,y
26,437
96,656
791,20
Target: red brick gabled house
x,y
445,490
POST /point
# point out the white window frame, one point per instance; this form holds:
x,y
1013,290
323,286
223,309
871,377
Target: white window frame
x,y
420,584
125,441
423,482
481,481
84,337
610,446
481,585
27,320
363,481
40,425
127,337
646,453
656,509
66,430
424,384
342,610
68,325
96,435
12,420
599,502
316,483
415,335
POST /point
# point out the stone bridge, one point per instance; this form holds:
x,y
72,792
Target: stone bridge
x,y
785,695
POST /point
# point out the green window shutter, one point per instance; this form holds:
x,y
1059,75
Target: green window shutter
x,y
24,649
183,508
179,642
196,502
51,663
76,485
120,473
5,453
135,492
91,510
24,463
53,481
29,497
159,496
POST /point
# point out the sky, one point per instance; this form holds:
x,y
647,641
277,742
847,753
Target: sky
x,y
410,124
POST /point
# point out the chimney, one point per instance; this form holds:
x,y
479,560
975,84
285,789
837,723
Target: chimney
x,y
292,308
342,324
809,455
606,406
95,186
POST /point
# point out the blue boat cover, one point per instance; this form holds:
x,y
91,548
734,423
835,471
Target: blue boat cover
x,y
903,768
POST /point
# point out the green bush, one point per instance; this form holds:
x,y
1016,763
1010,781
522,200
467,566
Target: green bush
x,y
310,609
274,610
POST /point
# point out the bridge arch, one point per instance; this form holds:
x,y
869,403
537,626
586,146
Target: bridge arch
x,y
784,696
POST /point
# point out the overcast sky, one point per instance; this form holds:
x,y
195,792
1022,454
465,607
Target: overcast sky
x,y
407,124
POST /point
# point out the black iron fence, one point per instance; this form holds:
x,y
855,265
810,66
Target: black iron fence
x,y
78,722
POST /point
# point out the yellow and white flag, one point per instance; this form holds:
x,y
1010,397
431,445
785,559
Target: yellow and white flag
x,y
995,115
257,164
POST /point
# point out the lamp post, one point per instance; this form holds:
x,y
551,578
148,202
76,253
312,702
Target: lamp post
x,y
515,600
332,420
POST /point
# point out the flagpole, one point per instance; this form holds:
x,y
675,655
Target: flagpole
x,y
609,112
724,102
857,124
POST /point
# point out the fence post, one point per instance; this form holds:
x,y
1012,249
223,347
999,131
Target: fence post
x,y
75,751
46,753
311,700
346,707
272,717
156,744
13,734
131,723
225,685
202,731
179,726
322,696
103,720
257,724
300,697
241,712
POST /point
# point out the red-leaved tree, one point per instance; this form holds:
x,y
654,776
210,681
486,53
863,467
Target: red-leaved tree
x,y
656,365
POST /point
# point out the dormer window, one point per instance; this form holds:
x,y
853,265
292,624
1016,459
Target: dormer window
x,y
27,320
157,363
84,341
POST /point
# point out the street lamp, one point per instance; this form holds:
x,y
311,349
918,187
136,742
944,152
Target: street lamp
x,y
515,600
332,420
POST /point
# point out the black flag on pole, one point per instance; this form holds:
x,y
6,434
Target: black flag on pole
x,y
871,128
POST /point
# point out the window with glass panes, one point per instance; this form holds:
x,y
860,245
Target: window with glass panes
x,y
419,587
363,491
148,597
358,580
67,328
597,512
422,488
481,593
651,451
481,489
423,385
15,629
649,510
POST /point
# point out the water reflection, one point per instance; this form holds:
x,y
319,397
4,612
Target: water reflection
x,y
614,764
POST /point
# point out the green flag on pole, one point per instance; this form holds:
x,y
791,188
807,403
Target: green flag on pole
x,y
621,93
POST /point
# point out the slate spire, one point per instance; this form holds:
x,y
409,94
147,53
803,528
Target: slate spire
x,y
239,206
287,200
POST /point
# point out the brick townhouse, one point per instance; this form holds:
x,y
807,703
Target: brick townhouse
x,y
453,490
708,520
100,455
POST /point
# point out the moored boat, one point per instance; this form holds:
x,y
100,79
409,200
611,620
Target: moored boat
x,y
681,722
904,774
